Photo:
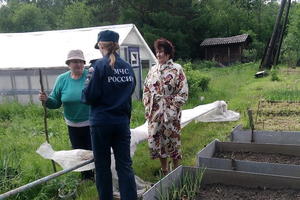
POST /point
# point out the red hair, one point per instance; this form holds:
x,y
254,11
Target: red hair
x,y
166,45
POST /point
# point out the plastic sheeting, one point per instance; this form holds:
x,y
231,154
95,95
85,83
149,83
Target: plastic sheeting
x,y
45,49
213,112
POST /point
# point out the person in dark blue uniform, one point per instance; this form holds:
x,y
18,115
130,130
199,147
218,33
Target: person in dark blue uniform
x,y
109,94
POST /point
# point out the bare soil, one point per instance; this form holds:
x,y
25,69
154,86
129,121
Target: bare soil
x,y
219,191
259,157
277,116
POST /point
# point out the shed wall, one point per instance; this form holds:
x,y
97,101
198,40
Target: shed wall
x,y
224,54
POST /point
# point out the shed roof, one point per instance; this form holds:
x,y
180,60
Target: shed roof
x,y
227,40
50,48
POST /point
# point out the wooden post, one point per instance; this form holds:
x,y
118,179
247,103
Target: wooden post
x,y
251,124
241,52
228,54
282,32
257,111
269,59
45,116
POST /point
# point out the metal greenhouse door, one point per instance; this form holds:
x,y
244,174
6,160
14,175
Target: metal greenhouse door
x,y
134,60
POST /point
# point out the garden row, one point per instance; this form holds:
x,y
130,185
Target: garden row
x,y
254,165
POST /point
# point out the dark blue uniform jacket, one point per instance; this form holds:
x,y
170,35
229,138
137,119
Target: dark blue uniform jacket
x,y
109,92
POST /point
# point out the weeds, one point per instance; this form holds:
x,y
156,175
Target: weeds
x,y
283,94
10,173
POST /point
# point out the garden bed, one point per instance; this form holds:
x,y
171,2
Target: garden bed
x,y
229,192
227,180
259,157
289,154
277,115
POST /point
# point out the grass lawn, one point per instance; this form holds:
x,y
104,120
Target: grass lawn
x,y
22,132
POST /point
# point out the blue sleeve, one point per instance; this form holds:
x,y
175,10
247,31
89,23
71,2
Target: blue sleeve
x,y
54,99
91,94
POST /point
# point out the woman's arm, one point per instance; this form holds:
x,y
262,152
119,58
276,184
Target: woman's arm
x,y
146,95
181,94
92,92
54,99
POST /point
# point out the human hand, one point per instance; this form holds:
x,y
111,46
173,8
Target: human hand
x,y
91,69
43,96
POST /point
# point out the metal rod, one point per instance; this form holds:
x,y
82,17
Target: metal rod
x,y
42,180
45,116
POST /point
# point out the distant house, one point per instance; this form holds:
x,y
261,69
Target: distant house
x,y
225,50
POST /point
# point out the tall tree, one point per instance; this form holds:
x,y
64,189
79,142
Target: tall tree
x,y
104,11
27,17
291,44
76,15
169,18
6,24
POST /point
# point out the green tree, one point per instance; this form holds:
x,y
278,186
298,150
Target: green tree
x,y
168,18
104,12
291,44
27,17
76,15
6,24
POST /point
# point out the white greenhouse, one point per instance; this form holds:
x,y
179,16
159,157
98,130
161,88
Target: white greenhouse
x,y
23,54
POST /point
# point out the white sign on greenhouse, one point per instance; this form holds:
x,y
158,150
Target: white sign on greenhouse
x,y
22,54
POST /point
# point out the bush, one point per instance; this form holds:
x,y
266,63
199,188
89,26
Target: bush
x,y
249,55
274,75
196,80
201,64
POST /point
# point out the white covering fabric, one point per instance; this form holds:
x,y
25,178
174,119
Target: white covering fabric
x,y
213,112
67,158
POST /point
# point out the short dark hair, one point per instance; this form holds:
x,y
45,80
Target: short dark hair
x,y
166,45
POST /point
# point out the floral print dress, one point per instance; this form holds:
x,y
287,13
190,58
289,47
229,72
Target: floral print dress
x,y
165,91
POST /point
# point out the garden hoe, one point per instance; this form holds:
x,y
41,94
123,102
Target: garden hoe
x,y
45,116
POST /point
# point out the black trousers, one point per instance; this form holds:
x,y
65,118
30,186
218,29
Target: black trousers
x,y
80,138
117,137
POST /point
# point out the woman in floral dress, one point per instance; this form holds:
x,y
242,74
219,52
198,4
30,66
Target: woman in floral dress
x,y
165,91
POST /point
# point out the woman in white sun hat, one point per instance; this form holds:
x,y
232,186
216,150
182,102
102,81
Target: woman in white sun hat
x,y
67,93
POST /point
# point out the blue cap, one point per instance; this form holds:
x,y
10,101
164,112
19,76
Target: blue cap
x,y
107,36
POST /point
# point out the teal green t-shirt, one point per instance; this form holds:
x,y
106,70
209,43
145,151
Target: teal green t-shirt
x,y
67,92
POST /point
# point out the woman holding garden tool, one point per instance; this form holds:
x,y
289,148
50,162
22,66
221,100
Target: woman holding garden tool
x,y
165,91
67,93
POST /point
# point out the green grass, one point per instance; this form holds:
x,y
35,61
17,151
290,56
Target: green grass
x,y
283,94
22,129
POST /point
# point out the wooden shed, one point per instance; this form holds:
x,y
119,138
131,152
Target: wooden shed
x,y
225,50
